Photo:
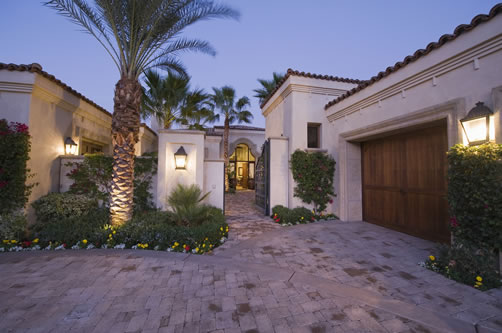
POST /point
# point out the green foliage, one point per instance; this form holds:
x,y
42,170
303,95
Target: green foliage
x,y
55,207
313,174
186,207
93,177
475,195
267,86
298,215
12,226
14,153
71,229
466,264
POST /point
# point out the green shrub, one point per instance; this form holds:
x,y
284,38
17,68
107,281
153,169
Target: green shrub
x,y
93,177
14,154
12,226
70,230
55,207
466,264
185,203
313,174
284,215
475,194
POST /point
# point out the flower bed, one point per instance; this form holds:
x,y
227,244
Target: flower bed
x,y
299,215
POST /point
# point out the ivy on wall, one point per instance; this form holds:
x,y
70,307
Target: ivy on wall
x,y
475,195
14,154
93,177
313,173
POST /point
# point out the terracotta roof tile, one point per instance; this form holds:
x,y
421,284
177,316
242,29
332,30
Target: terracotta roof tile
x,y
459,30
37,68
291,72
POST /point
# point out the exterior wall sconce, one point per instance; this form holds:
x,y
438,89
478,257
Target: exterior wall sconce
x,y
476,124
180,158
70,147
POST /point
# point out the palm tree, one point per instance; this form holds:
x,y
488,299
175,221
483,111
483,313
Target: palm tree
x,y
224,101
267,86
171,101
164,97
138,35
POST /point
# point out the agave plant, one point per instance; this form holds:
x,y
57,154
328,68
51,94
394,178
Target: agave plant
x,y
186,205
138,35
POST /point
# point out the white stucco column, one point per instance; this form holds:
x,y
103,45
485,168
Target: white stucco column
x,y
279,171
168,177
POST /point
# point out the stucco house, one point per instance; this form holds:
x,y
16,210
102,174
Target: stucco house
x,y
389,135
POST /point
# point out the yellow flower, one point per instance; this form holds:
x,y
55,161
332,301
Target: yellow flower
x,y
6,241
221,228
84,241
196,249
479,278
207,238
13,241
173,246
302,217
176,243
114,232
110,236
478,283
432,258
203,245
184,245
35,240
145,245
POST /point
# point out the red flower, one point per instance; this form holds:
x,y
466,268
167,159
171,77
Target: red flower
x,y
330,201
187,248
26,244
21,128
64,245
3,183
453,222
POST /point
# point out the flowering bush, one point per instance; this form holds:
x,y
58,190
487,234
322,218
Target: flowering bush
x,y
55,207
14,173
467,265
313,174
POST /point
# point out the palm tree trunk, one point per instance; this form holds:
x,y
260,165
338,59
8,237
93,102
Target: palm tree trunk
x,y
225,151
125,129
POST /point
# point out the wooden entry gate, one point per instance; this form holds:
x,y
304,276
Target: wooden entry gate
x,y
404,183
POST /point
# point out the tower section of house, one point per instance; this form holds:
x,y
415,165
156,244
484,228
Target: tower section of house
x,y
295,119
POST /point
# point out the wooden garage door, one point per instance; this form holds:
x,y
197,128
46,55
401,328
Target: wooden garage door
x,y
404,183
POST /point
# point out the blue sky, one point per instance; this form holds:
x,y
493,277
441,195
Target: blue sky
x,y
354,39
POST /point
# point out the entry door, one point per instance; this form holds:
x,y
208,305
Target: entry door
x,y
404,183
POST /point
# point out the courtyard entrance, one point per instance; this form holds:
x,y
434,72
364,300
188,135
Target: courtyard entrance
x,y
242,168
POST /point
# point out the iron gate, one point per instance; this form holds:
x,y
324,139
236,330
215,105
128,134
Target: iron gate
x,y
262,179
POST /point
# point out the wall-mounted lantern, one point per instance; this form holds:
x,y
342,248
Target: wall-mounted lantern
x,y
70,147
180,158
476,124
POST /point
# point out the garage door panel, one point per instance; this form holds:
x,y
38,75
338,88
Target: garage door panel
x,y
404,182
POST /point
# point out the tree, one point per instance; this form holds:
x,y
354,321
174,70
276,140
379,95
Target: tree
x,y
171,101
267,86
138,35
223,100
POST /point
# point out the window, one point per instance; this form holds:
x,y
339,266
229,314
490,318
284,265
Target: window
x,y
313,135
90,148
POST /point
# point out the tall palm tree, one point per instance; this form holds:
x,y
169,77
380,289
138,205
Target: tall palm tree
x,y
138,35
223,100
196,111
267,86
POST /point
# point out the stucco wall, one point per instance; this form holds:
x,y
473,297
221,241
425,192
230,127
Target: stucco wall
x,y
445,84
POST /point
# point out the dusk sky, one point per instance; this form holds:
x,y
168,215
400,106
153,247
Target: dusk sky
x,y
354,39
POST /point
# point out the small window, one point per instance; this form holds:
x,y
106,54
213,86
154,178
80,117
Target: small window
x,y
90,148
314,136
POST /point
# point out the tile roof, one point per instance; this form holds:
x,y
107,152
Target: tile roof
x,y
459,30
37,68
241,127
291,72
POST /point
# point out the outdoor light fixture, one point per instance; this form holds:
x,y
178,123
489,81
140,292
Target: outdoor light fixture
x,y
476,124
70,147
180,158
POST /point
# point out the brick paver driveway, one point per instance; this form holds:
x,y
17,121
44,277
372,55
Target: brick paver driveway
x,y
323,277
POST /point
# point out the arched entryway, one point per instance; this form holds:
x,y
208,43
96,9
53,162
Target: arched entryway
x,y
242,168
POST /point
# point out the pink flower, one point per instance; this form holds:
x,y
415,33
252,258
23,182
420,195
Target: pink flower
x,y
330,201
453,222
3,183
